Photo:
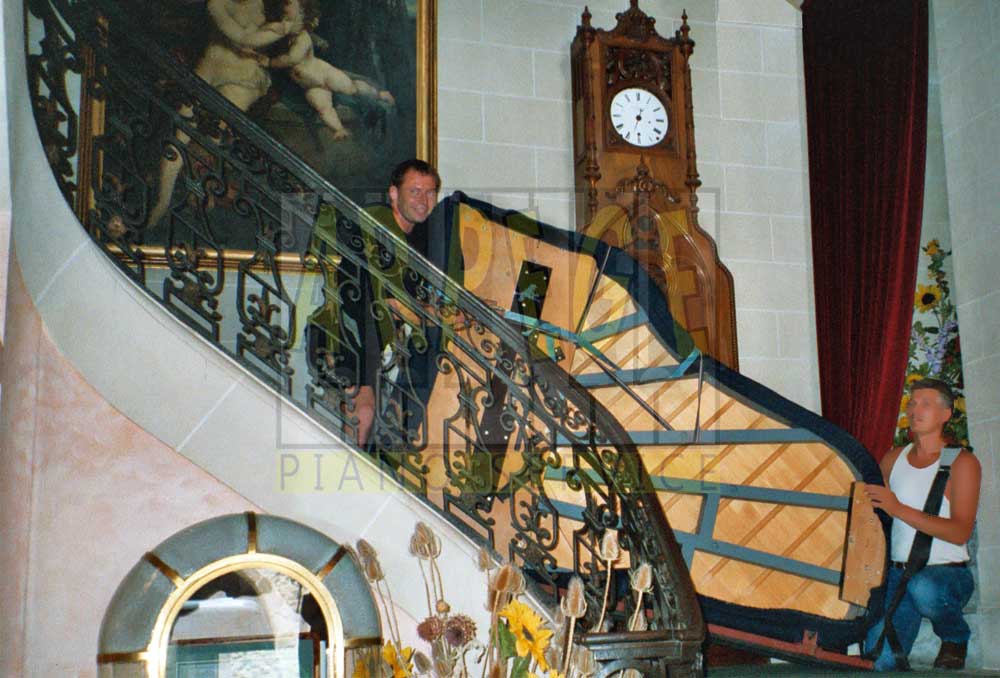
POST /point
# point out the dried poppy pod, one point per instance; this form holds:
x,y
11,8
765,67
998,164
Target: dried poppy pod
x,y
610,551
508,579
430,629
421,662
459,630
574,605
484,561
424,543
369,561
642,578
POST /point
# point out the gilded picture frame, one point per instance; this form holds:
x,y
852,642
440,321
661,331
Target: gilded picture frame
x,y
390,117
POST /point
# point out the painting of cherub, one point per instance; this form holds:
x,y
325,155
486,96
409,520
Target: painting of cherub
x,y
319,79
336,81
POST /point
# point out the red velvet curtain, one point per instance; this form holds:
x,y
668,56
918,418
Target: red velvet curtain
x,y
866,104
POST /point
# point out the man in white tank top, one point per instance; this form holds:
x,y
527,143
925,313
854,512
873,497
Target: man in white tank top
x,y
941,589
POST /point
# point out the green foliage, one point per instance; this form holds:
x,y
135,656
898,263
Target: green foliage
x,y
519,669
507,641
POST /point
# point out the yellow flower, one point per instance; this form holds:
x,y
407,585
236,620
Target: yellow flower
x,y
913,378
904,403
529,631
960,404
933,247
927,297
904,422
361,670
400,669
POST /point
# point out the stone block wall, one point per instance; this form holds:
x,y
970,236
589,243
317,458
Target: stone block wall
x,y
967,39
505,134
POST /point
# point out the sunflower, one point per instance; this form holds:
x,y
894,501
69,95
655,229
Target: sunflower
x,y
904,422
913,378
531,636
361,670
933,247
400,666
904,403
927,297
960,404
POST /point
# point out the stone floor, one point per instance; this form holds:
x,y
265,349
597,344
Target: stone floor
x,y
801,671
922,656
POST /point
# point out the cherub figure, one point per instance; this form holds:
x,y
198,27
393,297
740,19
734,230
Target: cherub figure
x,y
231,63
318,78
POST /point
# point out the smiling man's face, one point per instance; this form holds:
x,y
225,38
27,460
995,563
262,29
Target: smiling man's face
x,y
413,201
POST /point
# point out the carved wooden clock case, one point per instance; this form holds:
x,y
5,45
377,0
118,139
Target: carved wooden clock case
x,y
636,172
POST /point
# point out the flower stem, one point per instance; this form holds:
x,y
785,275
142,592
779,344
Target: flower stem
x,y
604,604
635,615
569,645
427,590
493,636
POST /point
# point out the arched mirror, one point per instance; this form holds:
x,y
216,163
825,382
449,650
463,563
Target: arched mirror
x,y
255,621
240,595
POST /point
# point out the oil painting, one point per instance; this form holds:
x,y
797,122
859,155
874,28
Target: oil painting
x,y
346,85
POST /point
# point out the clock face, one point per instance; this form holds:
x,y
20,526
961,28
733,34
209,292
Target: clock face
x,y
639,117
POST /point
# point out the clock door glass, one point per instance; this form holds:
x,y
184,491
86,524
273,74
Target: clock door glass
x,y
639,117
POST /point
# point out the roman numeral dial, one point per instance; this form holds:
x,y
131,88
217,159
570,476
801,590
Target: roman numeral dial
x,y
639,117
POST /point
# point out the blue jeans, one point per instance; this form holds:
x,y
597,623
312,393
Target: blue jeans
x,y
936,592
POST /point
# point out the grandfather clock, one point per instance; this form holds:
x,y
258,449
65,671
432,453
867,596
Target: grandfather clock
x,y
631,102
636,172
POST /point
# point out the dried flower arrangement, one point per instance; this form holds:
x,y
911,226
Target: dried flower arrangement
x,y
520,642
935,346
393,659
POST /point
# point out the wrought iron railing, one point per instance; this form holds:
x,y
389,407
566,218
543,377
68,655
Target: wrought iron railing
x,y
157,163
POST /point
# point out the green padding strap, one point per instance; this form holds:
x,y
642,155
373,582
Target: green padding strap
x,y
551,331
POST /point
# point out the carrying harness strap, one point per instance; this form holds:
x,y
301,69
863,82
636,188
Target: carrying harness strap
x,y
920,553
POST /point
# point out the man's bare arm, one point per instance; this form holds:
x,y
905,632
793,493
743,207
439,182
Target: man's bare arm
x,y
963,495
888,461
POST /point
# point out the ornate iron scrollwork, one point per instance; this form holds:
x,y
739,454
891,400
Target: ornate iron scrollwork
x,y
49,73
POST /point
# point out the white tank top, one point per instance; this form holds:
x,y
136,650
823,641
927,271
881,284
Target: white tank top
x,y
911,486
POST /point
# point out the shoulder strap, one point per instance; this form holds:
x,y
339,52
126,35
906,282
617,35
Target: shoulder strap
x,y
921,549
949,455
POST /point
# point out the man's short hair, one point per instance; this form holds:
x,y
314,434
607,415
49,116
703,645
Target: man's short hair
x,y
418,166
947,397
